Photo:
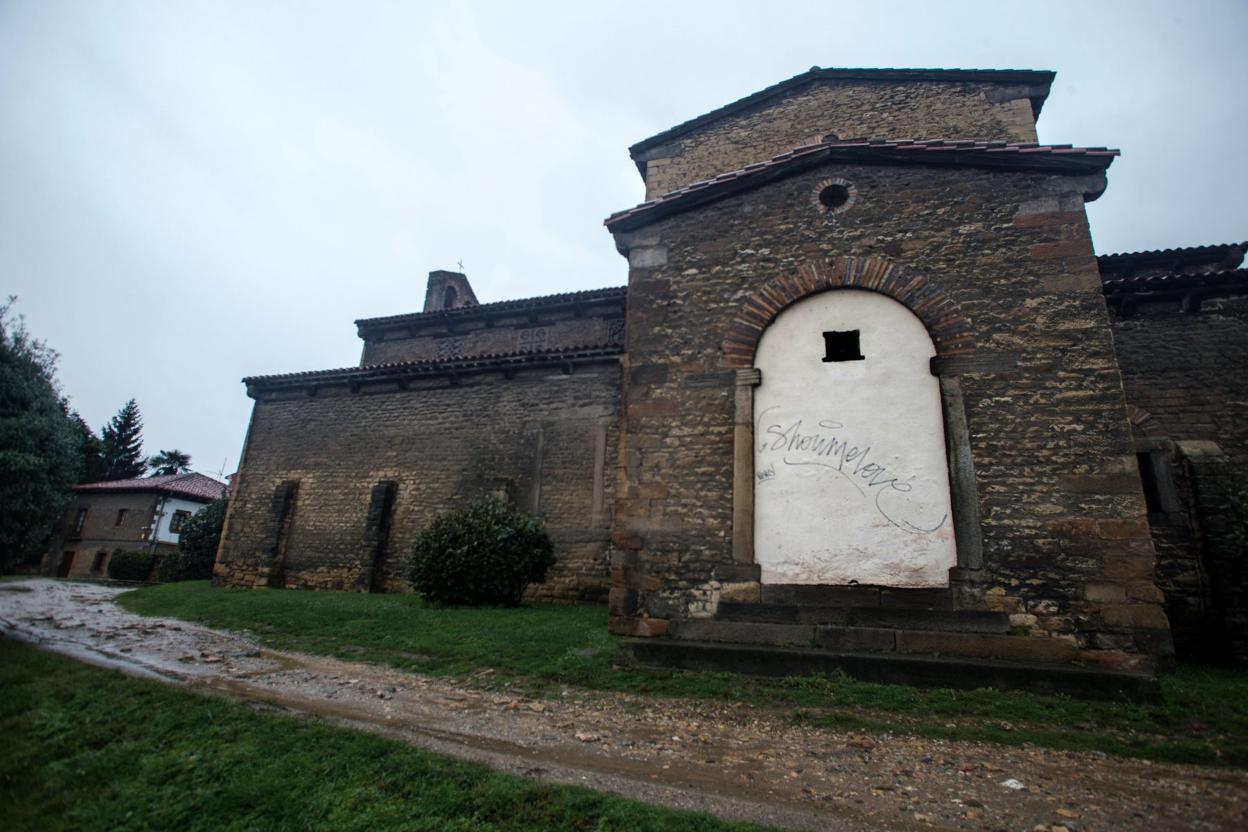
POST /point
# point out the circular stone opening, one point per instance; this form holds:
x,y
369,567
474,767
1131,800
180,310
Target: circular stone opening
x,y
833,197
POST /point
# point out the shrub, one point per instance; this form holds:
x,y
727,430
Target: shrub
x,y
197,546
484,554
131,566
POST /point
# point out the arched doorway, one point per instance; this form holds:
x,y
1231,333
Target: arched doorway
x,y
851,481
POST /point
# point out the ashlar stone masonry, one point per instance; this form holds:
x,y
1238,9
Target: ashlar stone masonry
x,y
859,406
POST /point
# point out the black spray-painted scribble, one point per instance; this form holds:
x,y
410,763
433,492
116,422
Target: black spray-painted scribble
x,y
826,448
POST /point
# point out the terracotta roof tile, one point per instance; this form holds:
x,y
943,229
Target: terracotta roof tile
x,y
483,309
1232,253
1235,279
193,486
436,365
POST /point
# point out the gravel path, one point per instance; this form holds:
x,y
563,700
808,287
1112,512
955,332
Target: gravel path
x,y
733,760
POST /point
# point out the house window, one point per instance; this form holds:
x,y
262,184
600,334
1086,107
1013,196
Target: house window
x,y
97,565
121,516
178,521
81,521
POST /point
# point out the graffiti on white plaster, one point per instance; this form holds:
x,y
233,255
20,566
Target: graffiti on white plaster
x,y
826,447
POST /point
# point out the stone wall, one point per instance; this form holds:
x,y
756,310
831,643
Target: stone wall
x,y
100,531
1183,373
585,319
300,516
1215,479
1186,369
474,338
850,109
1066,545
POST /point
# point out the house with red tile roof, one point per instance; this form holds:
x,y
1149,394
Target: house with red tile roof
x,y
103,518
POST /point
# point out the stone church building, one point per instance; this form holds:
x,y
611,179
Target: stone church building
x,y
868,403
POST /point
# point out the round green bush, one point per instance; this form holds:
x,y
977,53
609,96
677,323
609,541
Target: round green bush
x,y
131,566
484,554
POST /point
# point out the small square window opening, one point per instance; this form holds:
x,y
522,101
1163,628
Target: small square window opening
x,y
841,346
121,516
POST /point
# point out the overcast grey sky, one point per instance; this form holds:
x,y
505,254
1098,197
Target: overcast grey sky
x,y
191,192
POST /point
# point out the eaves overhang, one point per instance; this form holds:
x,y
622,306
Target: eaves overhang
x,y
565,359
995,155
1225,255
1155,287
488,312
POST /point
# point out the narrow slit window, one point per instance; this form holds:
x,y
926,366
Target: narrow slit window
x,y
841,346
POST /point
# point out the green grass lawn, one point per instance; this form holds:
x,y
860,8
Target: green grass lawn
x,y
1203,717
90,749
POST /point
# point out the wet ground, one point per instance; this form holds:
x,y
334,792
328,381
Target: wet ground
x,y
736,761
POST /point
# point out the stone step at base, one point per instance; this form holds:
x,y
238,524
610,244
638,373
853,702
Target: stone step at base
x,y
889,668
781,613
741,632
809,595
962,621
851,639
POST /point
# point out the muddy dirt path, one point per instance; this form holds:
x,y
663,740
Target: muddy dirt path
x,y
732,760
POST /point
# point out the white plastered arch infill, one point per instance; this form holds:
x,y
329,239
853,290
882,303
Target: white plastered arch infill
x,y
851,482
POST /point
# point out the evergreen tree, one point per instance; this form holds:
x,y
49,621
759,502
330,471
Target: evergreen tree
x,y
123,444
170,462
40,458
93,467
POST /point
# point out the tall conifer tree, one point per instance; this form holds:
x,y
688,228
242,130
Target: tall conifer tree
x,y
93,467
123,444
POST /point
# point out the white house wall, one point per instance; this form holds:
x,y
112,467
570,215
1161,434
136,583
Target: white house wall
x,y
163,535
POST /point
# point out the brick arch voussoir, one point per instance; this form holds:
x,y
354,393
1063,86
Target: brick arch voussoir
x,y
949,329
